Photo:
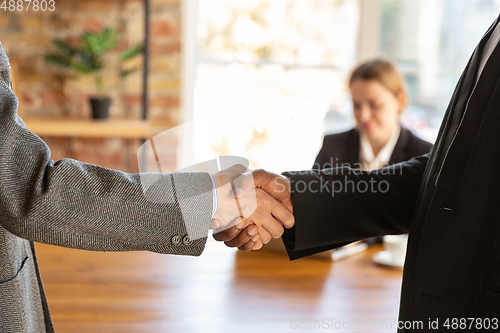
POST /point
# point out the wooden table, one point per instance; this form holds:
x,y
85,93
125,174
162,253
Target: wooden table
x,y
221,291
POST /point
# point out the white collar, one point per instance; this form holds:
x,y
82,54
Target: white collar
x,y
366,157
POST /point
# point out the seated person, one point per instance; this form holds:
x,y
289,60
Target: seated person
x,y
379,140
378,98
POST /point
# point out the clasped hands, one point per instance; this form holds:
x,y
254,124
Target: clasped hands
x,y
253,207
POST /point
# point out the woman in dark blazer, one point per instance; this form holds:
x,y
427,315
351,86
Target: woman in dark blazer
x,y
378,140
343,148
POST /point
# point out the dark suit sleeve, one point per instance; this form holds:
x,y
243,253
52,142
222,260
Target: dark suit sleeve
x,y
334,207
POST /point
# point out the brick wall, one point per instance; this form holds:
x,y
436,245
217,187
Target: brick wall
x,y
27,36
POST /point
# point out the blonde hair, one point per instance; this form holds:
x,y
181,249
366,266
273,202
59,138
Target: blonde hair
x,y
385,73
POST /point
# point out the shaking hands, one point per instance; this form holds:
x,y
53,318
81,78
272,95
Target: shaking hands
x,y
253,207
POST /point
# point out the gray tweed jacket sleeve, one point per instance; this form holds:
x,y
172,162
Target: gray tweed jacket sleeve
x,y
78,205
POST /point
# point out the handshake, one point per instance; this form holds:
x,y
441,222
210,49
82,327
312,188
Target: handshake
x,y
252,207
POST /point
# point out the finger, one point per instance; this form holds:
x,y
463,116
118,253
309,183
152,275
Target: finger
x,y
239,168
214,224
256,238
237,223
265,235
262,177
276,185
248,203
283,215
251,245
242,224
226,234
269,228
233,172
243,184
243,237
263,216
248,246
257,245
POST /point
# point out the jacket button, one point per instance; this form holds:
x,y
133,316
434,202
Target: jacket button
x,y
187,241
176,240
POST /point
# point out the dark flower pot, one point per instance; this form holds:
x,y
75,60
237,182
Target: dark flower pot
x,y
100,107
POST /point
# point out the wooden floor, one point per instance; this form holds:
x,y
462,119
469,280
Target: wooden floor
x,y
221,291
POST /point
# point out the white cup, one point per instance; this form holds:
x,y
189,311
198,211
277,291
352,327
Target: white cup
x,y
396,246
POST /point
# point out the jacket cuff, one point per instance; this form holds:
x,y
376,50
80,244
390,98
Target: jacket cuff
x,y
194,194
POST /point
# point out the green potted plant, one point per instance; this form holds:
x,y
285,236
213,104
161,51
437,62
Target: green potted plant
x,y
88,59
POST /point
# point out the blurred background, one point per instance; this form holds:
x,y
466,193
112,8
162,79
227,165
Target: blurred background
x,y
265,80
261,79
276,71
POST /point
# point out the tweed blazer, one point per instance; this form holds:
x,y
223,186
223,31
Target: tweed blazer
x,y
77,205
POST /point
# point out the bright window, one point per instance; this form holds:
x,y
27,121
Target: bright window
x,y
267,74
270,76
432,41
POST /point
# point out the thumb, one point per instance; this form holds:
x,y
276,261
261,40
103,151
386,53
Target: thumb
x,y
243,184
214,224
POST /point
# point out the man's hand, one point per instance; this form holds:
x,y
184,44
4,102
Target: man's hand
x,y
229,207
244,234
276,185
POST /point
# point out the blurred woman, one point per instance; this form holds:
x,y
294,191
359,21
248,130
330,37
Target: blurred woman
x,y
378,140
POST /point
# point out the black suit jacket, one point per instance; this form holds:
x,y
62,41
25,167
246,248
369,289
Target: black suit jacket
x,y
448,201
343,149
